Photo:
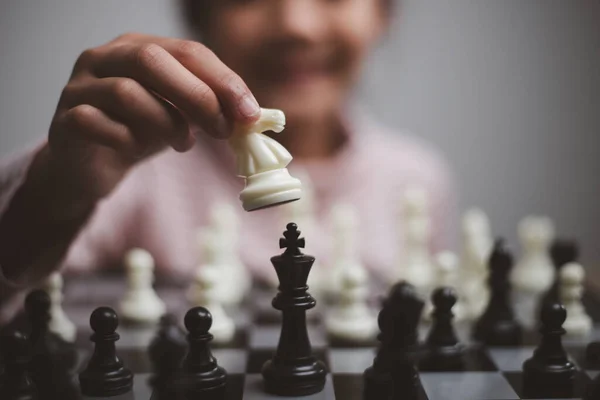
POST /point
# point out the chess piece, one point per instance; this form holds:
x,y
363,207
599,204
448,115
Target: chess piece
x,y
204,293
141,304
444,352
344,220
52,357
221,248
293,370
477,244
578,323
262,161
60,324
592,356
166,352
350,319
394,373
533,274
18,384
446,263
498,326
417,268
203,378
105,374
549,373
303,213
562,252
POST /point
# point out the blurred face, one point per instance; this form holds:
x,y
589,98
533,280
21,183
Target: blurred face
x,y
301,56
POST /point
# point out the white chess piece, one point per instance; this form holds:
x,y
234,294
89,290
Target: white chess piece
x,y
477,242
578,323
350,318
204,293
417,267
262,161
223,250
141,304
534,273
60,324
303,214
345,255
448,276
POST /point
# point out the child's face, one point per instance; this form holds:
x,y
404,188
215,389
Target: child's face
x,y
300,56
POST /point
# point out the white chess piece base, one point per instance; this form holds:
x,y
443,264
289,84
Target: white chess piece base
x,y
270,188
354,324
142,308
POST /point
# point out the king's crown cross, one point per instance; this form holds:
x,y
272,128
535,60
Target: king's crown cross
x,y
292,242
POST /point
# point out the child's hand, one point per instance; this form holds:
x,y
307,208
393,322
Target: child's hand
x,y
135,96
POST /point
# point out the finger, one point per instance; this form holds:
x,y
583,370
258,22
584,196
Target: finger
x,y
233,93
88,122
159,71
235,96
129,102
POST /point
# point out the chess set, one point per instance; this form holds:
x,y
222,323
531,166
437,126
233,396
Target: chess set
x,y
281,348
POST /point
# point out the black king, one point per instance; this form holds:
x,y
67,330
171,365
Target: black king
x,y
293,370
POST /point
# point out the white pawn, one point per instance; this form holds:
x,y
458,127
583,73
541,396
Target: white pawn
x,y
448,276
60,324
578,323
224,228
345,253
477,245
204,293
534,273
262,161
141,304
350,318
417,267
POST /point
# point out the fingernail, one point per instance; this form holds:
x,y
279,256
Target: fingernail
x,y
249,106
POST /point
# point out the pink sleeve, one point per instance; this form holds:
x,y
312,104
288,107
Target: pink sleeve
x,y
100,243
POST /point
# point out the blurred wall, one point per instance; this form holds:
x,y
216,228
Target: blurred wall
x,y
508,90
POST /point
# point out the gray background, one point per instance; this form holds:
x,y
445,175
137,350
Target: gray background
x,y
509,90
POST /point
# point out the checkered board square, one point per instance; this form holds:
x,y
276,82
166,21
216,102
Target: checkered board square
x,y
488,372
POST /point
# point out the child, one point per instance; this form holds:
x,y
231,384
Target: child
x,y
135,154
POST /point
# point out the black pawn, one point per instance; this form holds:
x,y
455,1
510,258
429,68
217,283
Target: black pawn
x,y
549,372
592,356
53,360
498,326
562,252
17,385
202,377
166,352
444,351
105,375
394,373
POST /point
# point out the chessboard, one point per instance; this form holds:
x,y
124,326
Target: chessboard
x,y
487,373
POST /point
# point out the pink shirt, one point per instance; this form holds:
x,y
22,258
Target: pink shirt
x,y
161,204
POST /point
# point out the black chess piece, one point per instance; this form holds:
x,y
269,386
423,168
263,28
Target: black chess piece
x,y
549,372
166,352
443,349
592,356
393,374
293,371
202,377
53,359
498,325
562,252
105,374
17,383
